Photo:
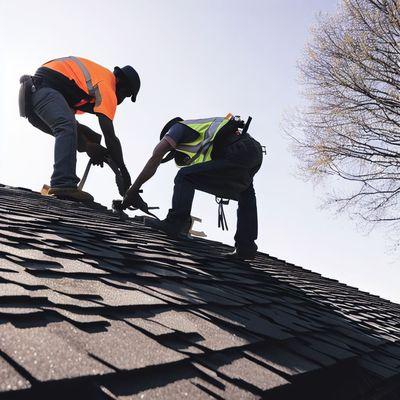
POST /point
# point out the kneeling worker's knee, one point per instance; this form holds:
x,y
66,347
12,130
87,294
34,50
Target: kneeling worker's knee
x,y
180,177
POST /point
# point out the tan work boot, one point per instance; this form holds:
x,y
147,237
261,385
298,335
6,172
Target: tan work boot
x,y
71,194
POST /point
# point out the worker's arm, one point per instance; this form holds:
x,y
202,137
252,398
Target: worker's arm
x,y
114,147
112,142
89,141
86,136
148,171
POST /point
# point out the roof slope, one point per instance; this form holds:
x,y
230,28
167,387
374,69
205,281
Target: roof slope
x,y
98,308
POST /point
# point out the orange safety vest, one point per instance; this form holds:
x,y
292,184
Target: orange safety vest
x,y
97,81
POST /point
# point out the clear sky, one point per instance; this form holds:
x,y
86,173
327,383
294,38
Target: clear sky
x,y
196,59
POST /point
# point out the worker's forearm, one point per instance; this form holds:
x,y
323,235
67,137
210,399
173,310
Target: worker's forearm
x,y
148,171
114,147
112,142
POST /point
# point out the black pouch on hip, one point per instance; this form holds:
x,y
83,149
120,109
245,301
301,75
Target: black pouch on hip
x,y
25,95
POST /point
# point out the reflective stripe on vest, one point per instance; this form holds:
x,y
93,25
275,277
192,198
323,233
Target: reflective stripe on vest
x,y
93,91
200,149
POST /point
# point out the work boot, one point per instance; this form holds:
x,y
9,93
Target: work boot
x,y
173,227
73,194
241,254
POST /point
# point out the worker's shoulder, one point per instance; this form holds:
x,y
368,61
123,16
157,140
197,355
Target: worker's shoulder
x,y
94,65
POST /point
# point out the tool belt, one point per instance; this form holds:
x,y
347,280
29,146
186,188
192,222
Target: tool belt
x,y
225,137
25,95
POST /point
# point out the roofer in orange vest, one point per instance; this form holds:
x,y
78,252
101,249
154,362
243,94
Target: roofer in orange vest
x,y
67,86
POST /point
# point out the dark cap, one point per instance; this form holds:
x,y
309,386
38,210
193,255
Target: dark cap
x,y
164,131
130,75
169,125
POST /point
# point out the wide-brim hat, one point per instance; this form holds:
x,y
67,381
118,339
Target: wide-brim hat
x,y
132,78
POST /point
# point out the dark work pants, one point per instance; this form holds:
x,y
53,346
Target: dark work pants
x,y
52,114
222,178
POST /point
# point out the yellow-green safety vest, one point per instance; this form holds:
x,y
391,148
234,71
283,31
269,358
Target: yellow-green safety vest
x,y
200,149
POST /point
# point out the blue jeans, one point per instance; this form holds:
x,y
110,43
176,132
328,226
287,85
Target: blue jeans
x,y
51,111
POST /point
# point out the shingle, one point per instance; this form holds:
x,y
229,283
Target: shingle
x,y
120,345
82,317
351,344
165,295
217,295
22,278
182,389
244,370
8,265
10,379
96,251
209,334
149,255
361,336
310,353
176,290
215,384
250,322
282,360
12,309
385,359
99,291
155,328
331,350
152,269
377,368
64,265
10,291
45,355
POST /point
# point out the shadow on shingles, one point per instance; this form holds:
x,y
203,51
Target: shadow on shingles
x,y
193,291
31,321
131,383
237,298
41,265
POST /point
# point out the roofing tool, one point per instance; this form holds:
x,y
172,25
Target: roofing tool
x,y
85,175
141,205
118,176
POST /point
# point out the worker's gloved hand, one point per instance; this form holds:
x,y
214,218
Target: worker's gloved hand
x,y
135,200
126,179
97,153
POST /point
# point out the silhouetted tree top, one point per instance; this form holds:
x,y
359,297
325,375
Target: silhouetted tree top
x,y
350,125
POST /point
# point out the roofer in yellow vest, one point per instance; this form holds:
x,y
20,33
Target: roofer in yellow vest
x,y
72,85
215,157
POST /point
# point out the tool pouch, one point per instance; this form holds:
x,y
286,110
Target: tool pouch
x,y
25,95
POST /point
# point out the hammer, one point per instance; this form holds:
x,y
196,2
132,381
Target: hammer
x,y
85,175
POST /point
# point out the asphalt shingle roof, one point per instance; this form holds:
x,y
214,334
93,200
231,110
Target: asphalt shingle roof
x,y
98,308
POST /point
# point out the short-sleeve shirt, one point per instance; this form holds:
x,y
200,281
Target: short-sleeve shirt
x,y
65,76
180,133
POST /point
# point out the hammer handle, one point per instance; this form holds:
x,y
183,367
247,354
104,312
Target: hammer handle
x,y
85,175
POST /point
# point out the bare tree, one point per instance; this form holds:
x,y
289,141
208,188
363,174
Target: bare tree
x,y
350,125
